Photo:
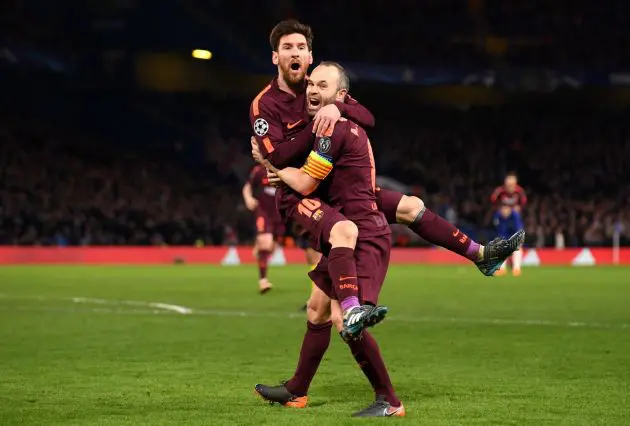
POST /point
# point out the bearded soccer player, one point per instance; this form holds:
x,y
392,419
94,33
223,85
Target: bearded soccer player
x,y
260,198
278,115
341,168
508,201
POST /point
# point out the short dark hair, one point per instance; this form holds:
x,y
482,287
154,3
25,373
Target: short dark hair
x,y
511,174
290,26
344,81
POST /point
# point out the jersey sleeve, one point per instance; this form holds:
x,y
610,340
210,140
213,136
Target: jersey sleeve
x,y
356,112
293,152
495,195
326,151
267,127
266,124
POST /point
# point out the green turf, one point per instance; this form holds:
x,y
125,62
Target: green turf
x,y
549,348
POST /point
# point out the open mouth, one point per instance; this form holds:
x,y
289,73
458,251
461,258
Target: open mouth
x,y
313,102
295,66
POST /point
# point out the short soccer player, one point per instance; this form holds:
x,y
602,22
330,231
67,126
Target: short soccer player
x,y
278,114
260,198
341,168
508,201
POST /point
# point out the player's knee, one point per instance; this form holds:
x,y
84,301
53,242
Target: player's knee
x,y
264,242
408,209
344,234
317,313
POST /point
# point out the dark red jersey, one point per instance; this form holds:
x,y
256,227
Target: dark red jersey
x,y
344,162
502,197
283,129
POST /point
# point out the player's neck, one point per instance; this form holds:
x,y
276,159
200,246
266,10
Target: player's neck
x,y
286,87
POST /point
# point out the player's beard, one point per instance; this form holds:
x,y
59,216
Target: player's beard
x,y
294,79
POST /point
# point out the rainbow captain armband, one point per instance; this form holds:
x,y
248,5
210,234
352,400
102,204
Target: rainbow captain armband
x,y
317,165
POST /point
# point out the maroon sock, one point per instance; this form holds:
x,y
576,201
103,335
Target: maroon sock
x,y
343,272
314,347
368,356
438,231
263,262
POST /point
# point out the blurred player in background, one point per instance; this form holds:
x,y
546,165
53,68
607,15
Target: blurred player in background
x,y
260,199
508,201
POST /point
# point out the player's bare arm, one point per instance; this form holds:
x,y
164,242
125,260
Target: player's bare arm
x,y
250,202
298,180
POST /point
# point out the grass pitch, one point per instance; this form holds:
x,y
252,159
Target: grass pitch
x,y
185,345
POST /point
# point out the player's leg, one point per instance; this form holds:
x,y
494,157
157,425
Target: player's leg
x,y
501,226
411,211
264,245
372,263
312,258
337,236
517,257
293,393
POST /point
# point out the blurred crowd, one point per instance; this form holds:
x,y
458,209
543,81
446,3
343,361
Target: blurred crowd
x,y
573,164
57,189
63,188
453,33
450,33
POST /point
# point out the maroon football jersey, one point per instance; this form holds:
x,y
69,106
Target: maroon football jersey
x,y
344,162
502,197
283,130
263,192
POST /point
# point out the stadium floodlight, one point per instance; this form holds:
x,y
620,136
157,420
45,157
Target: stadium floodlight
x,y
201,54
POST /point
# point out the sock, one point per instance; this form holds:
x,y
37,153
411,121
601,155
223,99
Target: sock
x,y
314,347
438,231
263,261
368,356
517,258
343,272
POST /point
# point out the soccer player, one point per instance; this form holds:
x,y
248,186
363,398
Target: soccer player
x,y
260,198
508,201
341,168
278,115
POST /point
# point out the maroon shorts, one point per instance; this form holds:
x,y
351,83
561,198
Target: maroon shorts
x,y
372,259
267,225
315,218
387,202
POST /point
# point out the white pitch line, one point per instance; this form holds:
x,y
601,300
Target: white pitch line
x,y
159,305
455,320
167,308
175,308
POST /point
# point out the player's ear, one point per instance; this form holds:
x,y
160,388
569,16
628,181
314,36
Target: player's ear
x,y
341,95
274,57
310,58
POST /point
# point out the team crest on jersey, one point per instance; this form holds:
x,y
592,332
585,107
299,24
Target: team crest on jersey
x,y
317,216
324,145
261,127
